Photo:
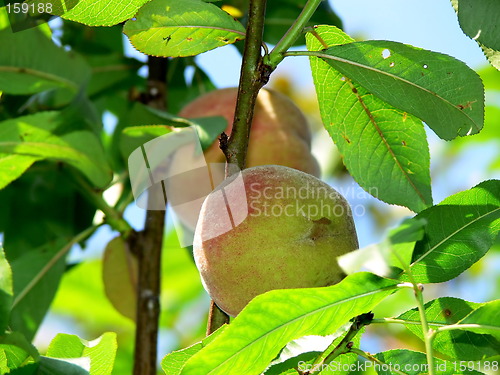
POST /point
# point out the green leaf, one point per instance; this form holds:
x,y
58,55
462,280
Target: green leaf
x,y
149,123
488,317
438,89
302,353
41,207
13,166
36,275
172,28
396,169
415,363
100,351
459,231
173,363
182,90
30,62
456,344
94,12
5,291
479,20
17,351
111,72
4,368
273,319
34,136
4,18
281,14
491,54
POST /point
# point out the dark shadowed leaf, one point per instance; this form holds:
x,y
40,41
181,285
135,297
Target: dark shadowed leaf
x,y
36,136
34,287
479,20
30,62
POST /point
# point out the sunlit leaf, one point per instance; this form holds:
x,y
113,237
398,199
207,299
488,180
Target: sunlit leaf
x,y
100,352
173,363
181,28
303,352
94,12
384,149
456,344
415,363
16,351
5,290
389,257
488,317
275,318
438,89
459,231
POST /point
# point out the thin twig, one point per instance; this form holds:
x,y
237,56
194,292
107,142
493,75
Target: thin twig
x,y
252,78
343,346
297,28
111,215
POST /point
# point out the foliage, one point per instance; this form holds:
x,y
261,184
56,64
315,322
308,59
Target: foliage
x,y
58,165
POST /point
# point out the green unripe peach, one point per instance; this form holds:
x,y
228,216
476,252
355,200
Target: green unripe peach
x,y
270,227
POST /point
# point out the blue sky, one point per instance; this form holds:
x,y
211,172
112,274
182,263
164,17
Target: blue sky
x,y
428,24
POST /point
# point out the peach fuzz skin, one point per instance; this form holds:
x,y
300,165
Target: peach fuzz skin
x,y
269,250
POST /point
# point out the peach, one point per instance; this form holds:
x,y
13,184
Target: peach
x,y
270,227
279,135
